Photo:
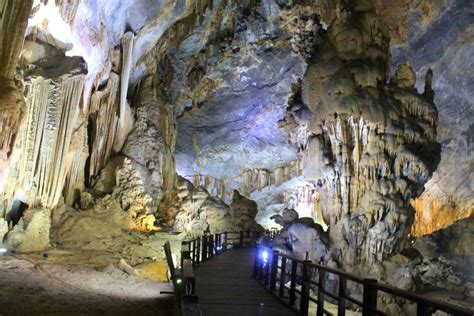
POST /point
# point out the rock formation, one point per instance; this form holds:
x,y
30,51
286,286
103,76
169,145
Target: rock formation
x,y
448,195
195,211
53,120
371,146
13,23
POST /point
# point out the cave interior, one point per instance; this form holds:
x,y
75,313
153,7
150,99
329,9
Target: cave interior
x,y
343,127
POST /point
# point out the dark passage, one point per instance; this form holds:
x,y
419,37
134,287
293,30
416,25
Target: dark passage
x,y
225,287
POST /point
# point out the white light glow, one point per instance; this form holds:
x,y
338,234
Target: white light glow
x,y
265,256
48,18
3,251
304,209
311,210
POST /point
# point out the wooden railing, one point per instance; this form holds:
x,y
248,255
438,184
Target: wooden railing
x,y
275,270
206,246
200,249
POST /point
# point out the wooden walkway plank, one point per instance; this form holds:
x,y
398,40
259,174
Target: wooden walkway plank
x,y
225,287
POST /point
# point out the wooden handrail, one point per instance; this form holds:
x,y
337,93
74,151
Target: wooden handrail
x,y
371,288
204,248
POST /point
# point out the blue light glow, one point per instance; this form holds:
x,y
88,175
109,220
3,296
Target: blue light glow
x,y
264,256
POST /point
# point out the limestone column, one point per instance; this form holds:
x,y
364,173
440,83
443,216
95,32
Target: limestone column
x,y
13,23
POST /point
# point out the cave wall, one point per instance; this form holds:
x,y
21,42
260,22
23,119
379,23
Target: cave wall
x,y
424,35
440,37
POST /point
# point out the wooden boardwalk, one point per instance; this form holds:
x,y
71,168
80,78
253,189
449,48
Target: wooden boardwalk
x,y
225,287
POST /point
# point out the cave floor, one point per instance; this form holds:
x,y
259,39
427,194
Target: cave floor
x,y
31,285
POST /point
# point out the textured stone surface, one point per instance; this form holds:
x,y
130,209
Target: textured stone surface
x,y
193,211
445,44
233,127
32,232
53,144
13,22
371,145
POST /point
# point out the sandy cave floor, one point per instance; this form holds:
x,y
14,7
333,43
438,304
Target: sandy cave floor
x,y
71,284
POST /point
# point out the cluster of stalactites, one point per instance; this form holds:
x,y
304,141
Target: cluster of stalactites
x,y
361,175
371,145
60,132
104,122
249,181
47,137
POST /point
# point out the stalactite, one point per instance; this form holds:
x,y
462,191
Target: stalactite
x,y
13,23
67,9
249,181
369,146
70,97
51,118
75,164
128,42
104,120
39,93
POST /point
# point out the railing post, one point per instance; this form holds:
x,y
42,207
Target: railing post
x,y
320,310
193,254
220,243
266,276
305,287
216,244
185,252
341,303
241,239
255,263
369,302
294,267
205,247
273,271
198,251
211,246
281,290
225,241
